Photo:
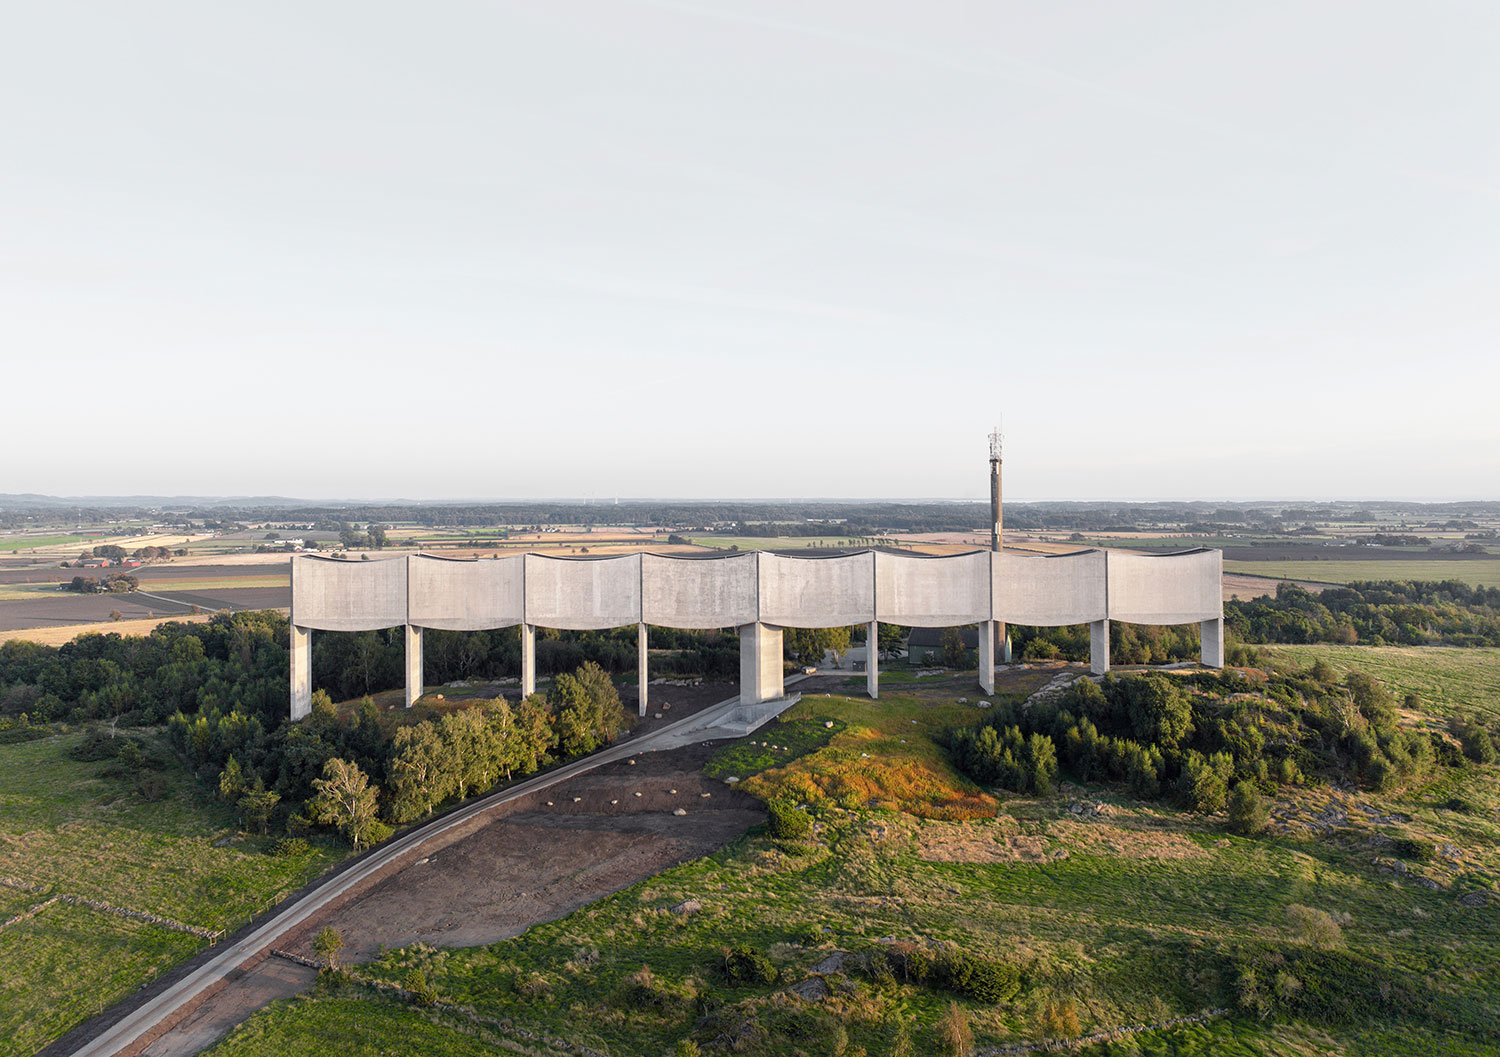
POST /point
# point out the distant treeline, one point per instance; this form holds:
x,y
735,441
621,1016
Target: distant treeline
x,y
28,511
1411,613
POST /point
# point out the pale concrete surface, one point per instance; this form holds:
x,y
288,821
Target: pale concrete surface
x,y
528,660
817,592
699,593
332,594
932,592
642,650
1099,647
457,594
987,656
760,663
301,671
1182,588
577,594
414,678
1049,590
1211,633
872,659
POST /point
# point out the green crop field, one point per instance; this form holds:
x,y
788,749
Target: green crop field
x,y
22,543
66,830
1479,572
1446,678
1137,915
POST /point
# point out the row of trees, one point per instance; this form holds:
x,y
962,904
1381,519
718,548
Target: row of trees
x,y
361,771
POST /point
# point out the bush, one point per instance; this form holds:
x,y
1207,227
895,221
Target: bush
x,y
952,1030
913,961
1415,850
288,847
977,977
1058,1019
422,993
1247,810
96,745
787,823
1315,927
745,965
151,787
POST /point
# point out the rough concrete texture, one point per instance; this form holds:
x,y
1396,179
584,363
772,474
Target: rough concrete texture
x,y
872,659
987,656
698,592
932,592
414,677
1211,632
760,663
1049,590
331,594
301,672
1181,588
455,594
817,592
1099,647
579,593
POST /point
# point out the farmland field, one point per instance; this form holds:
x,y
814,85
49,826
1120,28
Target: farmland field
x,y
1476,572
1446,678
21,543
67,830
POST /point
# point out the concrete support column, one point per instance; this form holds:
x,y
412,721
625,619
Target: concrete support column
x,y
528,660
414,686
301,672
760,663
1099,647
987,656
640,664
872,659
1212,634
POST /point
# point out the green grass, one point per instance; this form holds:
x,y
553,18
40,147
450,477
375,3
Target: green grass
x,y
31,592
1446,678
22,543
68,963
1478,572
67,828
353,1022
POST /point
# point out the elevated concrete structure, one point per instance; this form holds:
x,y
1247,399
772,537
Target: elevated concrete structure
x,y
757,593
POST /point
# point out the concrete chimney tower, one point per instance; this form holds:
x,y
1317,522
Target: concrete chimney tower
x,y
997,528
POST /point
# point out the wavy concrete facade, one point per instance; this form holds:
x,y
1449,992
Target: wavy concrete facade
x,y
759,594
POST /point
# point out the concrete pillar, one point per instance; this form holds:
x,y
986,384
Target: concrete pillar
x,y
760,663
987,656
301,672
414,686
1212,634
872,659
1099,647
528,660
640,664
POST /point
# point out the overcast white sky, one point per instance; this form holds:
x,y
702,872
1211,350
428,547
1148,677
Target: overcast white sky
x,y
717,248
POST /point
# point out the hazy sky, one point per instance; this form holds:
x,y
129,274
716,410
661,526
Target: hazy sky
x,y
734,248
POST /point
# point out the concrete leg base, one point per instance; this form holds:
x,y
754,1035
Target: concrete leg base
x,y
528,660
1212,634
872,659
640,665
301,672
760,663
987,656
414,687
1099,647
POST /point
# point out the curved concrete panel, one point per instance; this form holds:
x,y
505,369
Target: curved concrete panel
x,y
455,594
579,593
698,592
333,595
1049,590
932,592
817,592
1177,588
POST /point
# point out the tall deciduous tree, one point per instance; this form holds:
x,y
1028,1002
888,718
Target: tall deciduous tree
x,y
345,798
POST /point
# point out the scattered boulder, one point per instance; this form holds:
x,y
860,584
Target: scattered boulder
x,y
689,905
1474,899
834,963
813,989
680,812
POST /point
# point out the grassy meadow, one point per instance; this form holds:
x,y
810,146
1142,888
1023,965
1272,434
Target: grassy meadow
x,y
1478,572
1446,678
68,830
1119,913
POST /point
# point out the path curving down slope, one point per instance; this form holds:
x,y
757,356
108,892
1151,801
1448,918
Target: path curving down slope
x,y
726,719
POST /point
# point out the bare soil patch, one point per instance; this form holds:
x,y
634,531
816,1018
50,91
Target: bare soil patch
x,y
1004,841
